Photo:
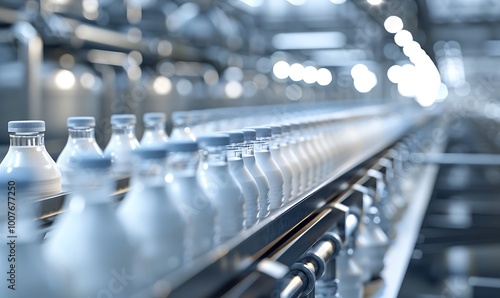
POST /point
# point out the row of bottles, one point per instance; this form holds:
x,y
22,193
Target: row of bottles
x,y
185,197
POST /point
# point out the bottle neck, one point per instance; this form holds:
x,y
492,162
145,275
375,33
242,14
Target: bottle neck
x,y
182,163
33,139
247,149
81,133
158,127
149,171
234,153
262,145
214,156
124,130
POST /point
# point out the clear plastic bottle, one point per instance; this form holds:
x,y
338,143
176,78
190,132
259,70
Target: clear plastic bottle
x,y
27,273
181,186
154,129
278,157
152,220
269,167
219,185
28,160
256,172
81,142
295,165
88,246
123,141
242,176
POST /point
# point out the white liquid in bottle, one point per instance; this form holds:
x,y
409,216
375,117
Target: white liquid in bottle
x,y
154,129
153,221
292,159
218,184
269,167
88,246
181,186
27,273
297,149
81,142
256,172
123,141
278,156
28,160
243,178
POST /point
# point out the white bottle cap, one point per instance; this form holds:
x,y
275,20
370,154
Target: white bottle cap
x,y
26,126
150,152
250,134
262,131
235,137
91,162
154,118
212,140
123,119
181,146
80,122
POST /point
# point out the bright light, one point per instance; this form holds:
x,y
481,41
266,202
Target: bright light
x,y
393,24
233,89
281,70
296,72
134,72
87,80
403,37
338,1
365,83
407,82
310,75
374,2
162,85
412,49
297,2
358,70
324,77
443,93
64,79
394,73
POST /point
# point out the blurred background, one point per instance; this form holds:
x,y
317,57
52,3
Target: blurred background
x,y
61,58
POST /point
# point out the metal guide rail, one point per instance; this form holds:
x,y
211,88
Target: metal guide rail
x,y
285,254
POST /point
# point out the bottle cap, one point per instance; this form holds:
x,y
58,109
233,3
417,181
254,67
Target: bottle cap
x,y
181,146
80,122
91,162
294,127
275,129
123,119
219,139
250,134
285,128
154,118
235,137
150,152
26,126
262,131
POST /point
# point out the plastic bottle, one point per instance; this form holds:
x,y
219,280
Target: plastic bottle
x,y
181,186
218,184
297,148
88,246
152,220
311,150
81,142
27,273
278,157
123,141
154,129
269,167
295,165
256,172
243,178
28,160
